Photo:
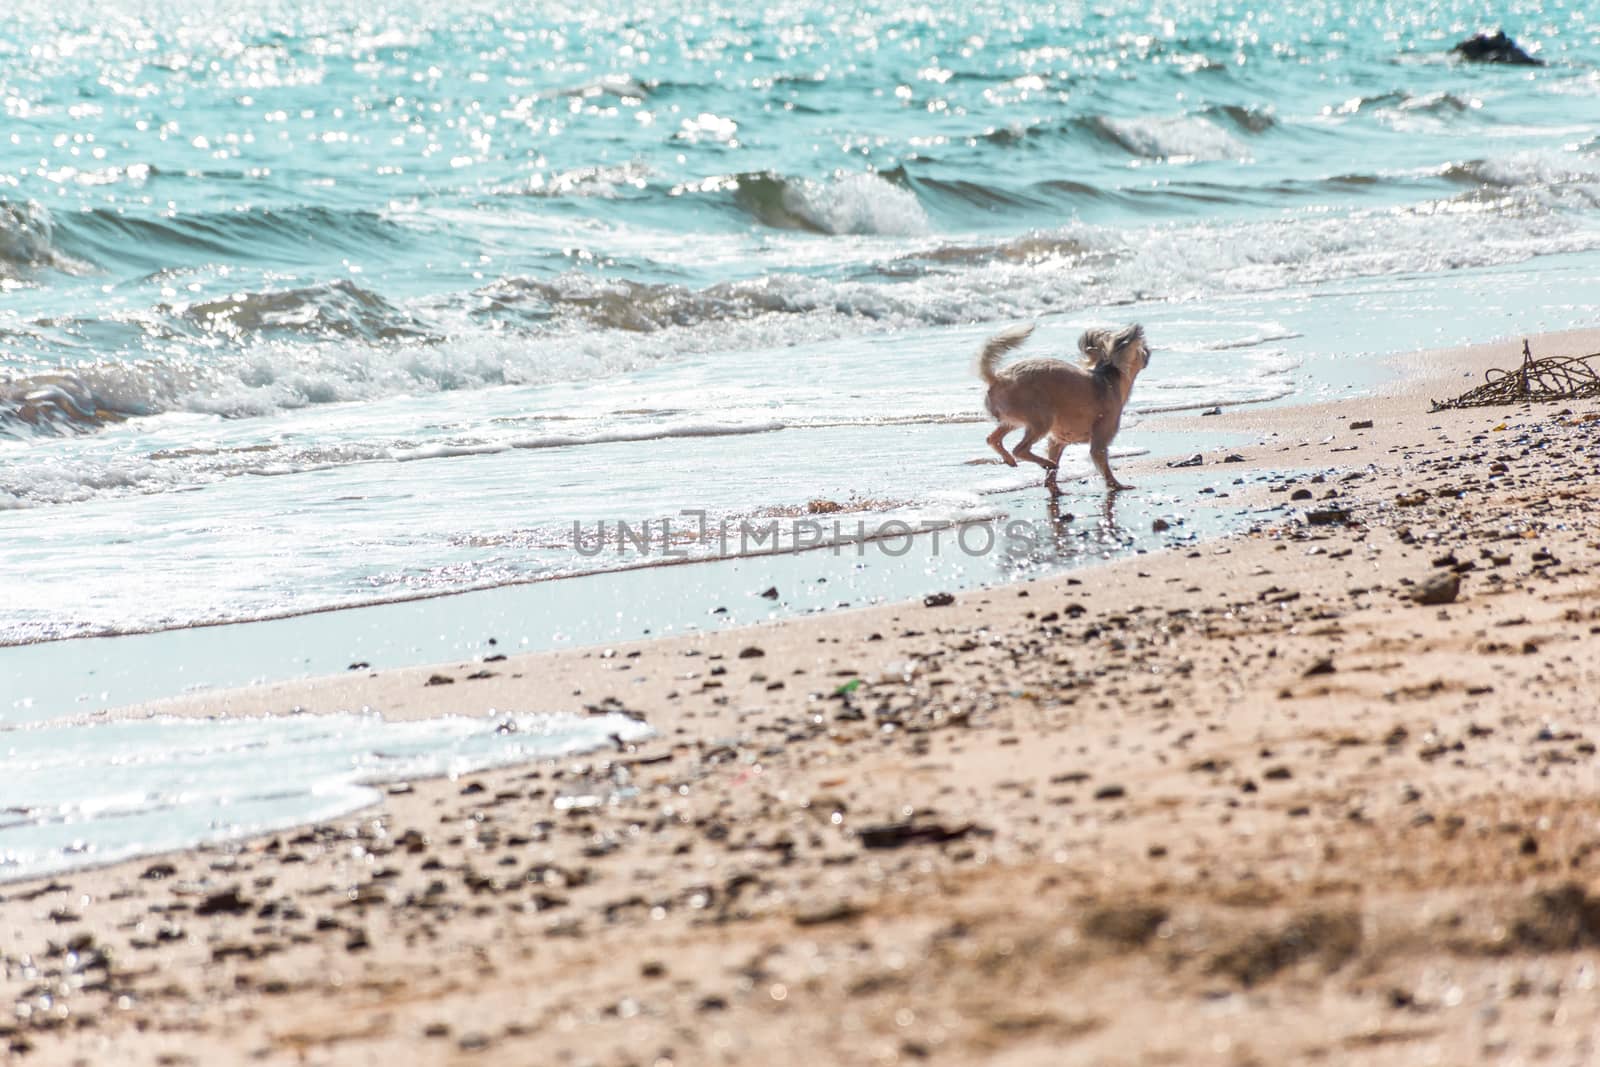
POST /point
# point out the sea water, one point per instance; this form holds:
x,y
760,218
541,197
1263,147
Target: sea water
x,y
306,306
303,305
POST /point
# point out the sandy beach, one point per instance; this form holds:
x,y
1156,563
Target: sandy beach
x,y
1324,792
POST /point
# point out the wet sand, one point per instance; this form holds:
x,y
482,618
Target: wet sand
x,y
1323,792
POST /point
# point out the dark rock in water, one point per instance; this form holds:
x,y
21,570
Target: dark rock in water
x,y
1495,47
939,600
1193,461
771,592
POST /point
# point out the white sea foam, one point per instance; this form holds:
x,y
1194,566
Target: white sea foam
x,y
1176,139
83,794
858,203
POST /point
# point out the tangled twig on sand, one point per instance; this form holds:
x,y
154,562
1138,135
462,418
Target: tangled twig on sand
x,y
1551,378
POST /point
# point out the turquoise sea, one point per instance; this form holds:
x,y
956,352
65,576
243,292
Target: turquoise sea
x,y
306,305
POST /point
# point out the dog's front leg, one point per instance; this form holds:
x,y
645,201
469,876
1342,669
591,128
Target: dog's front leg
x,y
1100,449
1102,463
1057,446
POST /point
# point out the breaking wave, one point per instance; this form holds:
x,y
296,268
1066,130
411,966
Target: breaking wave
x,y
337,309
857,203
118,241
28,242
254,353
1174,139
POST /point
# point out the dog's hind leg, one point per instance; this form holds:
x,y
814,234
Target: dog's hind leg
x,y
1024,450
997,442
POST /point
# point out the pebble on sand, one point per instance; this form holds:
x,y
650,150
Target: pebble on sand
x,y
1439,589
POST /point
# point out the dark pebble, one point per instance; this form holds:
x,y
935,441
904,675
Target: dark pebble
x,y
1439,589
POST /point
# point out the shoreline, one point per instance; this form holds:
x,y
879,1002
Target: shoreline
x,y
609,605
1064,820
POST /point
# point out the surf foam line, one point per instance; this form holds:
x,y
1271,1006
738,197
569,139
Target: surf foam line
x,y
79,794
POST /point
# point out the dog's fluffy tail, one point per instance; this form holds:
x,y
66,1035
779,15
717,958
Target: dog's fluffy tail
x,y
997,346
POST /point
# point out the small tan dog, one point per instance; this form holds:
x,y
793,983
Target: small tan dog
x,y
1068,403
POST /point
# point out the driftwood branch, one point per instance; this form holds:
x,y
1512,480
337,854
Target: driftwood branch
x,y
1537,380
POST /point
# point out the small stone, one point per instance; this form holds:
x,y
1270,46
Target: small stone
x,y
1321,666
770,592
1195,460
1439,589
824,913
1159,525
751,652
1361,424
938,600
441,679
226,902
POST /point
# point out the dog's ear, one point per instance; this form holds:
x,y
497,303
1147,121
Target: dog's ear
x,y
1095,346
1127,341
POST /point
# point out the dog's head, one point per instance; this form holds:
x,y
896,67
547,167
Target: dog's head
x,y
1124,349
